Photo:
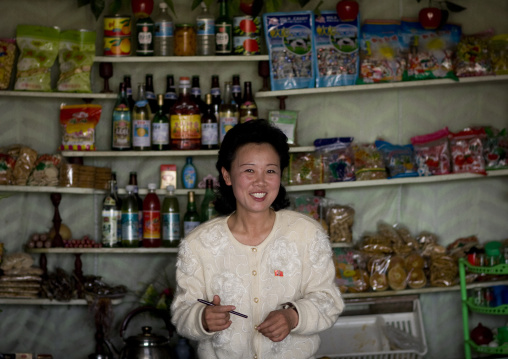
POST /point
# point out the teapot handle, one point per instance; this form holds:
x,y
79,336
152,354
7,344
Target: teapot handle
x,y
164,315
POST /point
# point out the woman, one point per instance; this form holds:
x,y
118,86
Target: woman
x,y
259,259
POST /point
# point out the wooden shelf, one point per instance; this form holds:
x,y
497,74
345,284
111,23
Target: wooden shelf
x,y
146,59
104,96
23,301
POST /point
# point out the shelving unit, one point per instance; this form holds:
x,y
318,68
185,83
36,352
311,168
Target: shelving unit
x,y
72,302
145,59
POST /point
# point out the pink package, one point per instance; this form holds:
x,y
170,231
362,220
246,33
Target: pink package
x,y
432,153
466,148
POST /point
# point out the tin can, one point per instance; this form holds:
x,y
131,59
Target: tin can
x,y
478,297
243,45
246,26
117,46
117,25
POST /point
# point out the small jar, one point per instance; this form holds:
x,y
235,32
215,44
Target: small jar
x,y
185,40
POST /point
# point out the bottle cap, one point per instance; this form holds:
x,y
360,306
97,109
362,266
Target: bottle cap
x,y
152,186
170,188
163,5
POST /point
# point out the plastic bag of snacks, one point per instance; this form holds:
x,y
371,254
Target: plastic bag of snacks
x,y
337,158
399,159
7,55
340,220
498,48
304,168
337,57
290,47
369,163
76,54
77,123
286,121
25,162
38,47
473,58
377,268
7,163
350,273
432,153
496,149
381,55
466,148
430,52
46,171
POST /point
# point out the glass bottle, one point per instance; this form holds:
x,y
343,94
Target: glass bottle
x,y
223,30
236,90
206,32
144,36
133,181
191,217
170,219
228,113
121,124
128,90
130,219
170,96
118,201
216,95
185,120
150,94
160,128
248,108
196,93
208,206
151,218
141,125
110,218
209,127
189,174
163,43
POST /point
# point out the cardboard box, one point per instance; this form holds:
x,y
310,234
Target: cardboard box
x,y
168,176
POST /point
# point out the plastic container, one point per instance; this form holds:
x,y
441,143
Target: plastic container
x,y
163,42
189,174
205,32
493,253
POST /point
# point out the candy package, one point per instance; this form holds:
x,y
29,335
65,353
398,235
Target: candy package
x,y
304,168
78,126
381,52
337,56
7,55
290,48
337,158
312,206
350,269
368,162
473,58
496,149
399,159
286,121
429,52
498,48
432,153
466,148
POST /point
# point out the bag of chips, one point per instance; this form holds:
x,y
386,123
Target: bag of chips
x,y
78,123
7,55
432,153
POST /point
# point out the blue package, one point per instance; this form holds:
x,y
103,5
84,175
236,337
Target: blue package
x,y
399,159
337,55
290,48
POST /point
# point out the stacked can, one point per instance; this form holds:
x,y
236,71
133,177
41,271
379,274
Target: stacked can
x,y
117,35
246,35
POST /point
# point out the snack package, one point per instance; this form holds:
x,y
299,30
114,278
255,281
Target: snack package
x,y
473,58
337,158
351,275
496,149
340,220
46,171
76,55
312,206
286,121
304,168
466,148
432,153
443,271
377,268
369,163
77,123
7,163
399,159
25,162
38,46
498,49
381,55
415,265
290,48
7,56
337,56
429,52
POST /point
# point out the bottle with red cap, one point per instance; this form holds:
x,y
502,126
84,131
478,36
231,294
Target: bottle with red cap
x,y
185,120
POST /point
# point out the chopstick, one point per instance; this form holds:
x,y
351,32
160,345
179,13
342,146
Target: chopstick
x,y
232,311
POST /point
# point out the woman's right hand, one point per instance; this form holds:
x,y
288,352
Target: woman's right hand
x,y
216,318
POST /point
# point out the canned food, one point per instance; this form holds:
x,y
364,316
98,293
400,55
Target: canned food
x,y
244,45
117,25
246,26
185,40
117,46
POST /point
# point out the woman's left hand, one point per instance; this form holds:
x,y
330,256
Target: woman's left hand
x,y
278,324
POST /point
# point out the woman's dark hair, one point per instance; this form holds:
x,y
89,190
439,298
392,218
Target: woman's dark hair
x,y
254,131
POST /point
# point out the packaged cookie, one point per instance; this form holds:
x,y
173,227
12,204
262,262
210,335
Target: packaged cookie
x,y
25,162
46,171
377,267
340,220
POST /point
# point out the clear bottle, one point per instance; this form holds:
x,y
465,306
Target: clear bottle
x,y
196,93
209,126
248,108
151,218
163,43
121,124
150,94
144,36
110,218
128,90
170,96
130,219
170,219
228,113
206,32
191,217
133,181
208,206
185,120
236,90
141,124
223,30
216,95
189,174
160,128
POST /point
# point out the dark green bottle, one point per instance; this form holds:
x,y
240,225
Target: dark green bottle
x,y
223,30
191,218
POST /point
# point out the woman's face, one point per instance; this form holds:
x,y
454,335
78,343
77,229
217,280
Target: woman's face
x,y
255,177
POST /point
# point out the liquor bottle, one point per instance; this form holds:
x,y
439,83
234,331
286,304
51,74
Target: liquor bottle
x,y
248,108
121,124
128,90
163,43
209,127
206,32
118,201
189,174
133,181
130,219
110,218
191,217
207,206
196,93
170,219
141,126
236,90
150,93
216,95
185,120
160,128
144,36
223,30
228,113
170,96
151,218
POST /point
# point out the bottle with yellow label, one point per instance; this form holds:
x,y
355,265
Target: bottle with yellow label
x,y
141,123
185,120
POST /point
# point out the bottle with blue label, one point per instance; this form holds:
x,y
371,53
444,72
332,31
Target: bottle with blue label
x,y
163,44
130,219
170,219
189,174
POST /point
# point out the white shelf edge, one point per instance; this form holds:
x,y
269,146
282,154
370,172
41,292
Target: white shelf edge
x,y
381,86
103,250
229,58
42,301
50,189
59,95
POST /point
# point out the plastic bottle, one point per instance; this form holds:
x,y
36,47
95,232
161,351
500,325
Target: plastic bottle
x,y
121,124
223,30
185,120
207,206
189,174
160,128
209,126
228,113
110,218
248,108
151,218
170,96
191,217
133,181
150,94
163,43
130,219
141,125
170,219
206,32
